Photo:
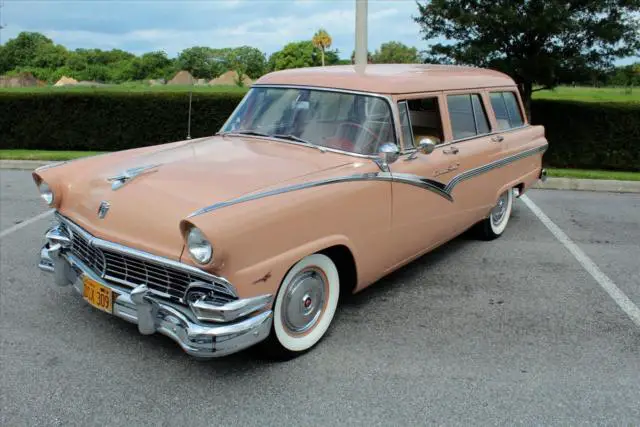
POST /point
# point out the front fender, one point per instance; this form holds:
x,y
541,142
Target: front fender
x,y
256,242
266,276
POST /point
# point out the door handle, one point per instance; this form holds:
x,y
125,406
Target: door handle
x,y
451,150
497,138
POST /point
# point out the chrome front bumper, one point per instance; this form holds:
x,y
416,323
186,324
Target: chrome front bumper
x,y
245,322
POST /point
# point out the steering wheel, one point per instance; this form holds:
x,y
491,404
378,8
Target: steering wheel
x,y
374,137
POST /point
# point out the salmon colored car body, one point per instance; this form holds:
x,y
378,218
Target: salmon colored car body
x,y
321,182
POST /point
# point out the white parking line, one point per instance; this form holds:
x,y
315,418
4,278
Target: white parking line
x,y
603,280
24,223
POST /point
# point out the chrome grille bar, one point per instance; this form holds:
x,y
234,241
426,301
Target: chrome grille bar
x,y
131,268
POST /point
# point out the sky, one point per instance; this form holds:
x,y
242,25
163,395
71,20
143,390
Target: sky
x,y
141,26
173,25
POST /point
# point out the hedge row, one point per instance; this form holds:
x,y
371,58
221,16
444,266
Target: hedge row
x,y
581,135
590,135
108,121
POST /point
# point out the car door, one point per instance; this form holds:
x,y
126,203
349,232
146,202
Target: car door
x,y
468,129
423,213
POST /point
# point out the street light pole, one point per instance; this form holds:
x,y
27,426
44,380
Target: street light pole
x,y
361,56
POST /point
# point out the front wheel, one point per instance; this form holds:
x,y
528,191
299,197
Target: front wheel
x,y
304,307
492,227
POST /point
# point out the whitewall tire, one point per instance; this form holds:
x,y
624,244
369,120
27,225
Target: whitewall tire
x,y
493,226
304,307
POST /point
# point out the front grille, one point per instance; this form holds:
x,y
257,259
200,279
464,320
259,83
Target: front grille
x,y
89,255
124,269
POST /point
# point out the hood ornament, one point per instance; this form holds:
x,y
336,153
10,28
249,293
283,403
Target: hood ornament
x,y
103,209
119,181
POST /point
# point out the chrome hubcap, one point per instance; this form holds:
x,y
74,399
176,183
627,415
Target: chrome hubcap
x,y
498,212
303,303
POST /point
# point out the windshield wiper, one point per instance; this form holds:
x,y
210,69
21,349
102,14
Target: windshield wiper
x,y
277,135
298,139
243,132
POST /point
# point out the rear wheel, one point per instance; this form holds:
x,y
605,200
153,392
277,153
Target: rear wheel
x,y
304,307
493,226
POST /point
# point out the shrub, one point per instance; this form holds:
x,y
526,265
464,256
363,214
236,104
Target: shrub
x,y
107,121
590,135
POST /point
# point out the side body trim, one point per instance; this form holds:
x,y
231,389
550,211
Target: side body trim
x,y
441,189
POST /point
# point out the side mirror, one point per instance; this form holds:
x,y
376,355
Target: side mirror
x,y
388,153
426,145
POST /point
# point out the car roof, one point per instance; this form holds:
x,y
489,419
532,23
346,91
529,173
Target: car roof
x,y
390,78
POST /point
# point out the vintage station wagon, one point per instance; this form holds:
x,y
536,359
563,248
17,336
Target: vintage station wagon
x,y
322,181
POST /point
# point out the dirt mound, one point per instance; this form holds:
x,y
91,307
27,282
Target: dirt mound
x,y
66,81
229,79
22,80
181,78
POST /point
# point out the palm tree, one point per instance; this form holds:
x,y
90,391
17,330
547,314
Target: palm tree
x,y
321,40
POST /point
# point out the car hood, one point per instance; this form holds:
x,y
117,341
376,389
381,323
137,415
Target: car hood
x,y
175,180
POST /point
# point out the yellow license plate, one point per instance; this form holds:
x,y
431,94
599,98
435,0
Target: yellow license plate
x,y
97,295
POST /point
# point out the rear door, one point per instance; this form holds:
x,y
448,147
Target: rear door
x,y
468,132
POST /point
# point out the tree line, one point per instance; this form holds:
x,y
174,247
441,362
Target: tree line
x,y
37,54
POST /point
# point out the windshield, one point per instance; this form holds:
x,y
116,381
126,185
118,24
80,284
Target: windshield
x,y
344,121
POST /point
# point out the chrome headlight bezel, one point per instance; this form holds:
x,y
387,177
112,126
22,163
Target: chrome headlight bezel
x,y
199,247
46,193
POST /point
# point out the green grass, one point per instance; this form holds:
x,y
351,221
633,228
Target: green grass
x,y
590,94
593,174
44,155
128,87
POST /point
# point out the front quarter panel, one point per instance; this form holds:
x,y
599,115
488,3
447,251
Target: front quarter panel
x,y
256,242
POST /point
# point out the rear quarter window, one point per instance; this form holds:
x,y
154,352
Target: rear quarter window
x,y
505,107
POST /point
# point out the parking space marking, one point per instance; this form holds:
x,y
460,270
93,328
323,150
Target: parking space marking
x,y
24,223
603,280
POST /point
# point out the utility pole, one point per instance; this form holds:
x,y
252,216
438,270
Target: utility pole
x,y
362,53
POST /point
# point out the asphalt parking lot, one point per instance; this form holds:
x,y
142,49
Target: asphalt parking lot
x,y
514,331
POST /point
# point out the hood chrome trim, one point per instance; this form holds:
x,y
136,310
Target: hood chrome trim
x,y
119,181
437,187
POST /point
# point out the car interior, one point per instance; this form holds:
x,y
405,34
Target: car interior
x,y
425,119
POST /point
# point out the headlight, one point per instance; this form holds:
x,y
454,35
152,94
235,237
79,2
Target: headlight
x,y
199,247
46,193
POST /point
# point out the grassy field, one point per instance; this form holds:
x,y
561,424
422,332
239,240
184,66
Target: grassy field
x,y
593,174
44,155
590,94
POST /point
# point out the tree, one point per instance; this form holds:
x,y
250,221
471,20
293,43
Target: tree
x,y
531,40
246,60
322,40
294,55
202,62
22,51
395,53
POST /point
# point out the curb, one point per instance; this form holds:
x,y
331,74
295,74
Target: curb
x,y
551,183
603,185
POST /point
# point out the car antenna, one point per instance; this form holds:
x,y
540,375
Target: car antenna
x,y
189,119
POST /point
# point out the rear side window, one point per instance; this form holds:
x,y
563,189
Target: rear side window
x,y
505,106
467,115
